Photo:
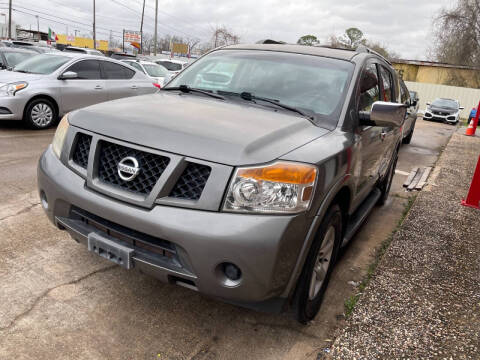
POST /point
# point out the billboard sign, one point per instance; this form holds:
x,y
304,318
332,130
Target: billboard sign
x,y
130,36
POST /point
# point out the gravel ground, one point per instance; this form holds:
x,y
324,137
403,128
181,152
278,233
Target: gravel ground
x,y
424,299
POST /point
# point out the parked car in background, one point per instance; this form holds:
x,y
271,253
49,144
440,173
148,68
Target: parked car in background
x,y
242,190
10,56
172,65
156,72
86,51
46,86
447,110
123,56
411,115
415,100
33,46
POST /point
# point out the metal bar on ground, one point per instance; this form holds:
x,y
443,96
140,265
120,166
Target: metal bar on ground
x,y
410,177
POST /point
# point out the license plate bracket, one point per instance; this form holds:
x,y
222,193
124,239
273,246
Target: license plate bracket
x,y
110,250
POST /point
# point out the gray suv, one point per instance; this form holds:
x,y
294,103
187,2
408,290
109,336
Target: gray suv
x,y
241,179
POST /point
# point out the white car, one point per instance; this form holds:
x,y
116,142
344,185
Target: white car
x,y
172,65
447,110
157,73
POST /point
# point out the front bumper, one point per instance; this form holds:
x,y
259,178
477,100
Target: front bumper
x,y
264,247
12,107
452,118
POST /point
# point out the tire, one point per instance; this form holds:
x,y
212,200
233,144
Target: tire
x,y
311,290
408,138
386,183
40,114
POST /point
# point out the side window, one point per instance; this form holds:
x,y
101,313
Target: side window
x,y
369,88
404,94
136,66
86,69
116,71
387,85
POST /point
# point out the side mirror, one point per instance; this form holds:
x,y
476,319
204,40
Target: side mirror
x,y
413,102
428,103
3,66
384,114
68,75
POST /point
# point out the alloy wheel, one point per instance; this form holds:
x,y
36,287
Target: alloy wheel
x,y
322,262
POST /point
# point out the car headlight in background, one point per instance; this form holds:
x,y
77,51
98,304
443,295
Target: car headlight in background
x,y
282,187
60,136
11,89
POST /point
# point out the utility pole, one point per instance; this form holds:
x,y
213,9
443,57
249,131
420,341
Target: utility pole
x,y
155,37
76,32
38,27
94,34
10,19
141,29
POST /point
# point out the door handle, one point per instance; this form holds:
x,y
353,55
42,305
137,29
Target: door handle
x,y
134,87
98,87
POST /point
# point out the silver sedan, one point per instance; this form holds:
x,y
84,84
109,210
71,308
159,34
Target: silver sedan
x,y
46,86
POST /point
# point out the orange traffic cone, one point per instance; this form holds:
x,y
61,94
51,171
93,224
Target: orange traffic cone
x,y
470,131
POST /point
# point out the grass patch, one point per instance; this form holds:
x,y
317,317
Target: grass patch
x,y
380,251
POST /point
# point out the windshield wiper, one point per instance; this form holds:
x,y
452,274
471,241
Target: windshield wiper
x,y
21,71
187,89
250,97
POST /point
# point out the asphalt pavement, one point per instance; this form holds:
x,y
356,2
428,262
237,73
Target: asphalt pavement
x,y
59,301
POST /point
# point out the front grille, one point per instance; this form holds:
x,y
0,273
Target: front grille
x,y
191,183
151,167
82,149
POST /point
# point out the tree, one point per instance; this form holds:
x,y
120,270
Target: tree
x,y
457,38
222,36
352,38
309,40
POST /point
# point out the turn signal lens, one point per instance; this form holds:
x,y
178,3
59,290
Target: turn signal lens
x,y
60,136
283,187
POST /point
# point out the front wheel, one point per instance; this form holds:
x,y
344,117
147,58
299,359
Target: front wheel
x,y
40,114
318,267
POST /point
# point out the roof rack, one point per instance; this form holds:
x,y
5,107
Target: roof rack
x,y
364,49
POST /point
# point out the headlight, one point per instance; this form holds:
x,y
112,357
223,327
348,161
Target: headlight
x,y
11,89
60,135
282,187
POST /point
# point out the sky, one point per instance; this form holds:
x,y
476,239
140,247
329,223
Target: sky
x,y
404,26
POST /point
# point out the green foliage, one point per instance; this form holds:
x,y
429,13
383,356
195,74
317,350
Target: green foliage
x,y
309,40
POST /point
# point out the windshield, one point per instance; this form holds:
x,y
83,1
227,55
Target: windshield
x,y
42,64
412,94
170,66
314,84
13,58
155,70
445,103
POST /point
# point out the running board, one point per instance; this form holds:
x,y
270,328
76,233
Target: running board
x,y
360,215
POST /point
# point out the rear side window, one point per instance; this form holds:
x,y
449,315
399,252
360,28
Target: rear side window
x,y
404,95
116,71
86,69
387,84
369,88
136,66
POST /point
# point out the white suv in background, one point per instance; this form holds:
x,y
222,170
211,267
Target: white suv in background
x,y
157,73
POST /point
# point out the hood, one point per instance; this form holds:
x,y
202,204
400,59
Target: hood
x,y
200,127
13,76
445,110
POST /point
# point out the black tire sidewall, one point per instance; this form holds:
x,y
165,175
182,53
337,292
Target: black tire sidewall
x,y
307,309
28,113
387,182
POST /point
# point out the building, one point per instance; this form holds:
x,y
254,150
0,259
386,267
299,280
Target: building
x,y
438,73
